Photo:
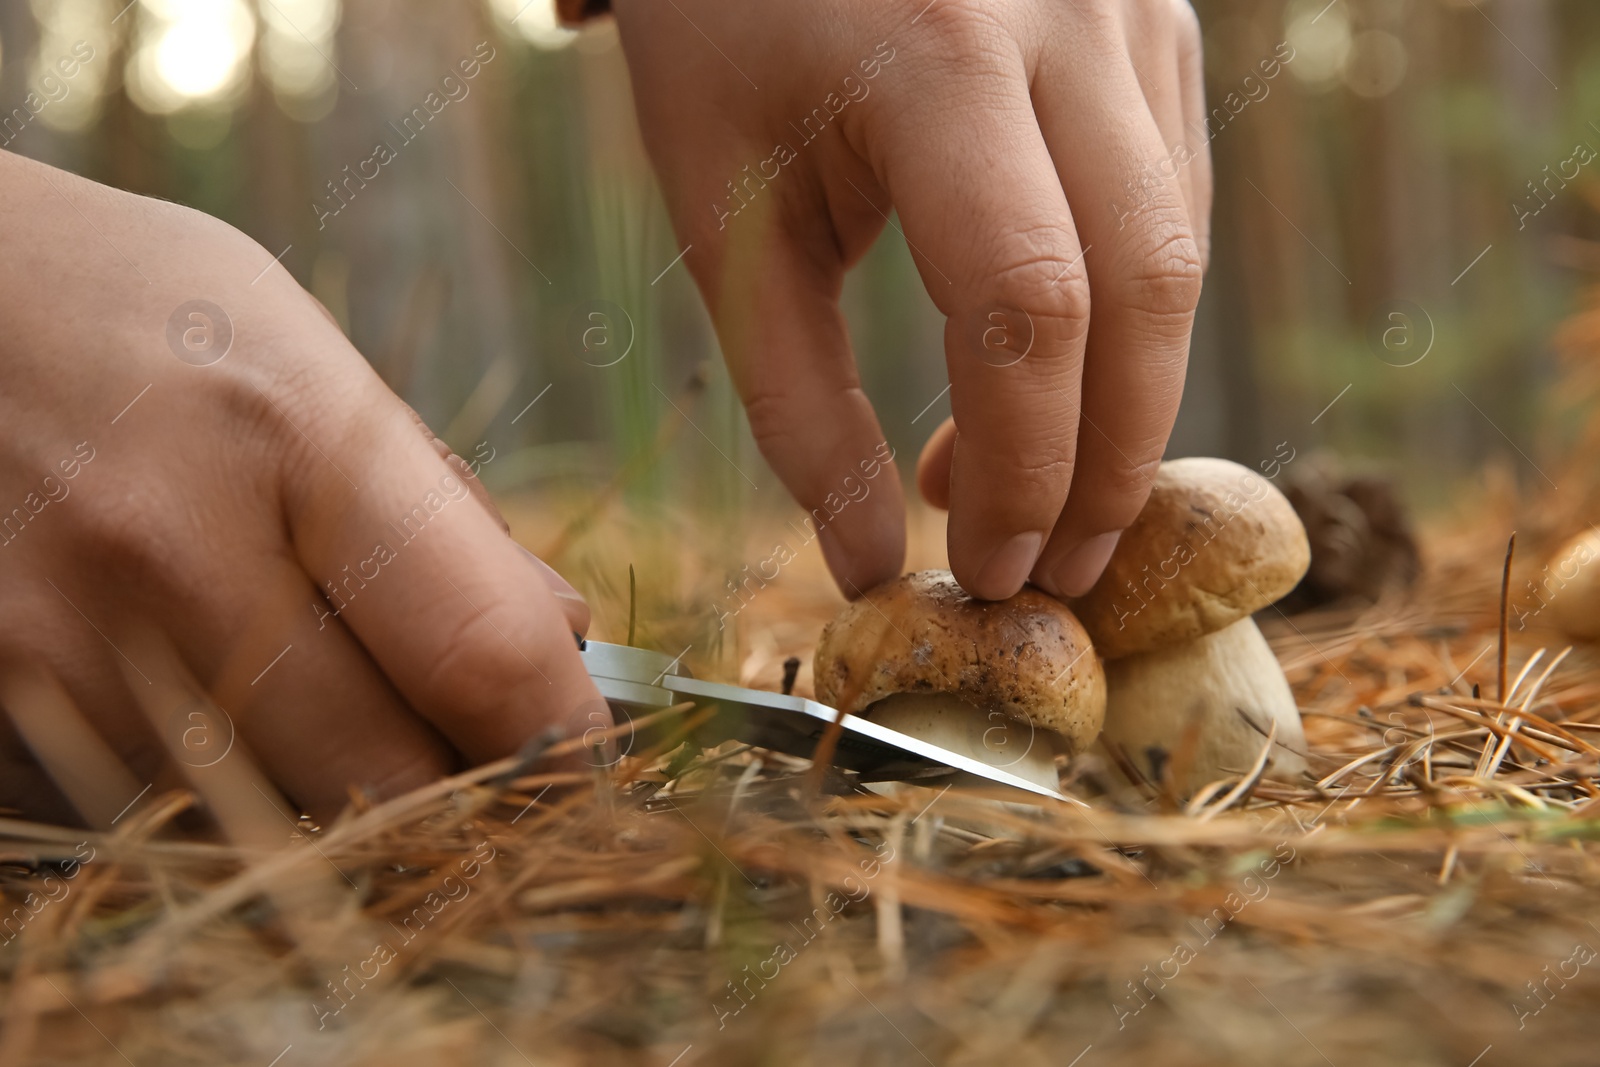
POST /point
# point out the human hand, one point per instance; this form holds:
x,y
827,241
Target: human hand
x,y
304,545
1043,161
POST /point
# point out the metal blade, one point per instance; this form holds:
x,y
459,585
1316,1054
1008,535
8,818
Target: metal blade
x,y
636,680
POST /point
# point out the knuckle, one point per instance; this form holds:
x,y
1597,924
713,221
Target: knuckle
x,y
961,24
1046,468
314,424
217,236
412,773
245,405
781,426
1126,483
770,417
123,529
1187,24
480,674
269,423
1048,288
1036,466
1165,276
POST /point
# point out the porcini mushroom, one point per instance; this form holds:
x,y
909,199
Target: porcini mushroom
x,y
1570,586
1172,615
1010,683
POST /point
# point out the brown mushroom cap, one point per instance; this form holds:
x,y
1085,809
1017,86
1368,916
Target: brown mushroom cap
x,y
1216,542
1028,657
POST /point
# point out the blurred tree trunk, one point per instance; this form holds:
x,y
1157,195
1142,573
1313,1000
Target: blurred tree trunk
x,y
276,180
19,34
406,224
1526,70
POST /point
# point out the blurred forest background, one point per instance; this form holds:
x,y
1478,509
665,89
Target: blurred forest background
x,y
1375,206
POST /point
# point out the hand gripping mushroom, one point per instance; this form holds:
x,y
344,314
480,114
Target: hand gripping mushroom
x,y
1010,683
1171,615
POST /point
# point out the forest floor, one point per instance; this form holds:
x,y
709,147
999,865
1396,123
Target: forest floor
x,y
1430,895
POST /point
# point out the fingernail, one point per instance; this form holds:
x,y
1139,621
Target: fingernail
x,y
558,585
1077,572
1008,568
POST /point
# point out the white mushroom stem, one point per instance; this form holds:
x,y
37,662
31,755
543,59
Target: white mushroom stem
x,y
990,737
1206,689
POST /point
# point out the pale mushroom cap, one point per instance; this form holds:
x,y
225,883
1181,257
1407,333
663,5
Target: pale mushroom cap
x,y
1215,543
1571,585
1027,657
1215,683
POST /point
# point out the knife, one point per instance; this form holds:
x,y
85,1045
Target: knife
x,y
636,681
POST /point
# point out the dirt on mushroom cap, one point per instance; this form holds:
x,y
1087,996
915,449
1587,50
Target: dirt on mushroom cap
x,y
1027,657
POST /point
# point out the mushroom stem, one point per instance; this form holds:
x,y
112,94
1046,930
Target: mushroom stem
x,y
1227,686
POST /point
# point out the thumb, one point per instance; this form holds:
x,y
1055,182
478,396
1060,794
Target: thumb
x,y
935,463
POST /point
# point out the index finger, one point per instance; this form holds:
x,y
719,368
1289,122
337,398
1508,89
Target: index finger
x,y
451,608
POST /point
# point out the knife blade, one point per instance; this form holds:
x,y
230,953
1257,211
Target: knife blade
x,y
635,681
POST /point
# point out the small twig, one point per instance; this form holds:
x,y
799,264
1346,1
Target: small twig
x,y
633,604
1454,705
1449,864
1130,770
1359,761
1251,777
532,751
1522,675
1519,718
1505,615
828,743
1495,727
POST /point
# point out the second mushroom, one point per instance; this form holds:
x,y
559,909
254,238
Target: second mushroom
x,y
1192,688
